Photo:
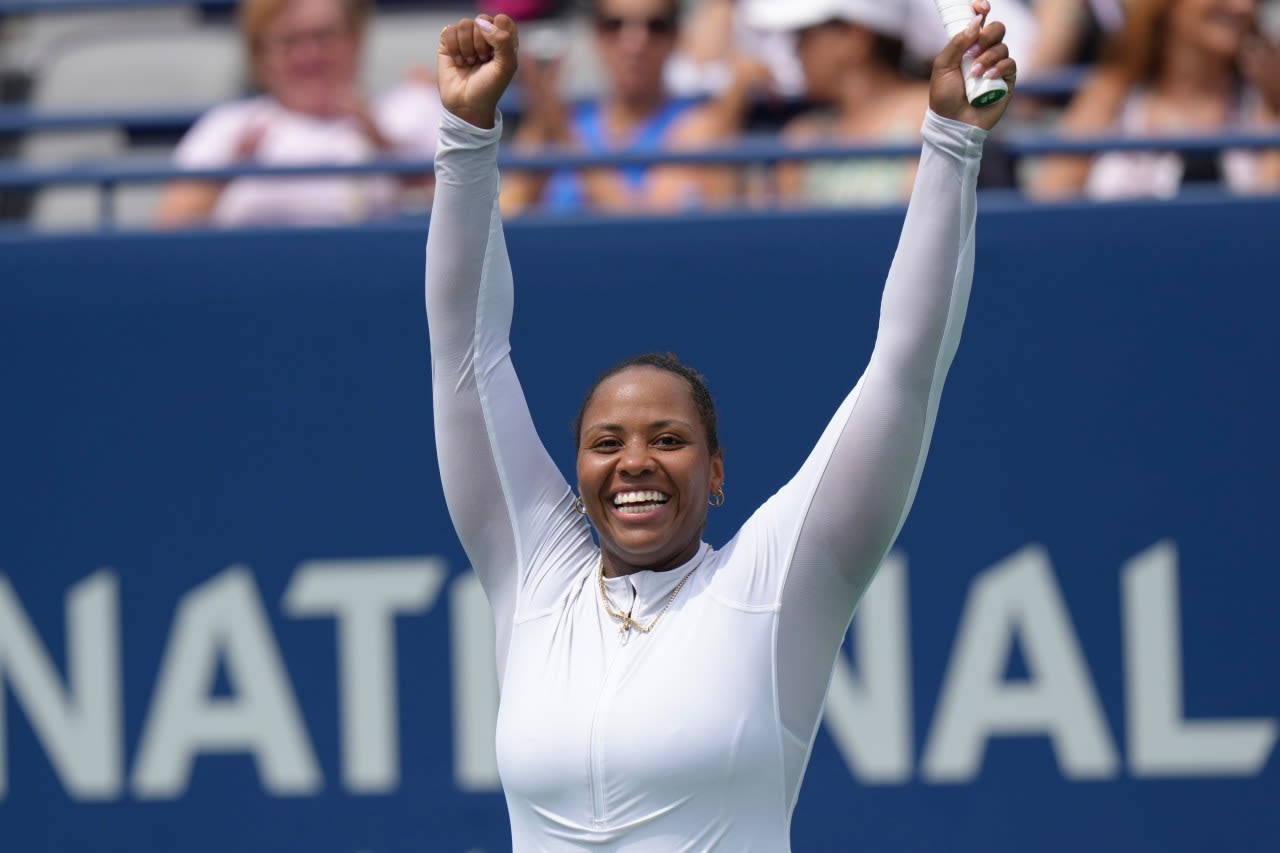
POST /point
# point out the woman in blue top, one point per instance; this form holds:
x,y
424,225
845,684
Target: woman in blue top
x,y
633,39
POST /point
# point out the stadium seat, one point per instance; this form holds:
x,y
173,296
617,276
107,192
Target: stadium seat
x,y
186,67
582,77
397,41
25,40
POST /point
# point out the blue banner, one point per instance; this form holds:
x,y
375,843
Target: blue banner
x,y
234,615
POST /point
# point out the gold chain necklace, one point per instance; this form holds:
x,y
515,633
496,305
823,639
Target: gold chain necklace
x,y
624,629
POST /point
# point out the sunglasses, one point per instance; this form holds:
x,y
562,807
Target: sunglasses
x,y
655,27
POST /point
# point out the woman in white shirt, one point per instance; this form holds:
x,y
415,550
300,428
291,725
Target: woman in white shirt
x,y
305,55
1178,68
659,694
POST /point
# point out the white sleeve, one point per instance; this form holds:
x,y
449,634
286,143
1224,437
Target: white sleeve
x,y
511,507
851,496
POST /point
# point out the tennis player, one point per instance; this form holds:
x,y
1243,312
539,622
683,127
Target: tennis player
x,y
659,694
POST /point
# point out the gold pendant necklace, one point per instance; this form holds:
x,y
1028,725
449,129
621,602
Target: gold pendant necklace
x,y
627,623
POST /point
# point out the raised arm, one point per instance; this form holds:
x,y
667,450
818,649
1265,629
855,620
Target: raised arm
x,y
500,485
871,455
851,496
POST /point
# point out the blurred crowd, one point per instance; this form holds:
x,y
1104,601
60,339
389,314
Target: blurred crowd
x,y
305,58
708,75
834,73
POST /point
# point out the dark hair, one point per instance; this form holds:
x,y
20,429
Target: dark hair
x,y
1137,50
671,364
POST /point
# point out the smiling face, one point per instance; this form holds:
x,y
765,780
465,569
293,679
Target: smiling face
x,y
307,54
1163,36
645,470
1218,27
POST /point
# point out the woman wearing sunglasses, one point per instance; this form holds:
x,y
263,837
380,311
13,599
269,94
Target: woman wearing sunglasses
x,y
634,40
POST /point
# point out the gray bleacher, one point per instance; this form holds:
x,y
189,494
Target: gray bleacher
x,y
158,57
157,66
110,65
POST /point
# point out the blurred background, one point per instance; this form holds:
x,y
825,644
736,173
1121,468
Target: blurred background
x,y
233,612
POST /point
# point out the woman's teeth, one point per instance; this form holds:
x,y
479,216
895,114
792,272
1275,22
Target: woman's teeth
x,y
639,502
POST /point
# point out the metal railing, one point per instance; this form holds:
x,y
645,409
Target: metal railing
x,y
768,150
752,150
765,149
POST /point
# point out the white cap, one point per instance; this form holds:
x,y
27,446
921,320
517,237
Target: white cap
x,y
923,33
887,17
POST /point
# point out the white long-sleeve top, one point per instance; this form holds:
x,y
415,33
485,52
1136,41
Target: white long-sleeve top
x,y
695,736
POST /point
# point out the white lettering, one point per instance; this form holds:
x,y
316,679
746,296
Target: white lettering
x,y
1017,599
73,698
79,726
1161,742
223,620
365,596
475,686
869,717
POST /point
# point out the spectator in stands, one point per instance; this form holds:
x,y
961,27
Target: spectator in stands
x,y
1070,33
851,52
634,40
305,56
1179,67
716,39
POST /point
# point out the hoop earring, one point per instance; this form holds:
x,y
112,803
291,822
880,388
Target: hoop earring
x,y
717,498
580,506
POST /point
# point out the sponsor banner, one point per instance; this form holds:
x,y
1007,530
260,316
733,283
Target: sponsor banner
x,y
234,617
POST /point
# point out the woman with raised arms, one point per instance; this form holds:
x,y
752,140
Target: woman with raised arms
x,y
659,694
